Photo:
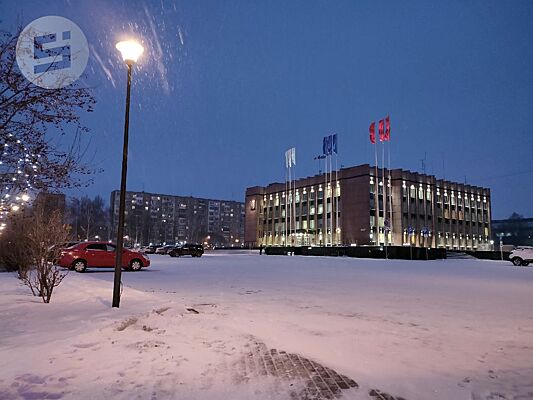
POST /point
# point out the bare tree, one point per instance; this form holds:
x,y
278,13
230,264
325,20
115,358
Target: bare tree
x,y
88,217
36,128
44,238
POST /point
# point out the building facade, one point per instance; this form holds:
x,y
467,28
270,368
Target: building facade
x,y
164,219
408,209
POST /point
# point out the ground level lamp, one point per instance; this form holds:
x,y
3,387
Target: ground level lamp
x,y
131,51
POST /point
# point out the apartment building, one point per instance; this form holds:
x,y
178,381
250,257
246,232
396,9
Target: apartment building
x,y
167,219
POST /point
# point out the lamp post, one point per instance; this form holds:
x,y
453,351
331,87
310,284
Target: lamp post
x,y
131,52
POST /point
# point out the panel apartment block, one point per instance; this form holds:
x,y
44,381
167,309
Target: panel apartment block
x,y
165,219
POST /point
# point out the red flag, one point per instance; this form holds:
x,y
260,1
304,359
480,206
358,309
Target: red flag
x,y
372,131
387,128
381,130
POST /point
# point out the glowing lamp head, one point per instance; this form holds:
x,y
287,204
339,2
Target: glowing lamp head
x,y
25,197
130,50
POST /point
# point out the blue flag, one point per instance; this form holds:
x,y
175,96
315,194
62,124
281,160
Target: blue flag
x,y
335,143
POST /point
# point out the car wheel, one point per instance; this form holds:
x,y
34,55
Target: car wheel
x,y
79,265
517,261
136,265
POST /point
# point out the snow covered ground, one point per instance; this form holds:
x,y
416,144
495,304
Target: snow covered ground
x,y
453,329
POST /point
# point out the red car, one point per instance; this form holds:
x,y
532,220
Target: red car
x,y
100,254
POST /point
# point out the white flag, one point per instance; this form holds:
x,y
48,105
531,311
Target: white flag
x,y
290,157
293,156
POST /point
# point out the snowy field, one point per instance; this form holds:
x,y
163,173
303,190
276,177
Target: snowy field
x,y
453,329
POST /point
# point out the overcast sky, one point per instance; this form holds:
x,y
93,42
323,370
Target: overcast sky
x,y
225,87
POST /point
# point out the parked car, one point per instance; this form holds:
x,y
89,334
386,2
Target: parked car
x,y
55,250
188,249
149,249
522,255
100,254
164,249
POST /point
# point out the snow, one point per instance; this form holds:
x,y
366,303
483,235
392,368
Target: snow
x,y
447,329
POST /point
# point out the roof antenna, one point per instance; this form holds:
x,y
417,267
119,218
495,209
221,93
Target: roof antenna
x,y
423,162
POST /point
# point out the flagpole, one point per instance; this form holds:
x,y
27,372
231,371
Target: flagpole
x,y
324,200
291,199
376,191
294,197
384,201
288,202
336,197
328,190
331,194
286,196
390,191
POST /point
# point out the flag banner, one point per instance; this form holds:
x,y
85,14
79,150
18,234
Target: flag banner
x,y
327,145
381,130
293,156
387,128
335,143
372,131
290,157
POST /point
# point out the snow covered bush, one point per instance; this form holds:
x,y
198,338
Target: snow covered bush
x,y
43,241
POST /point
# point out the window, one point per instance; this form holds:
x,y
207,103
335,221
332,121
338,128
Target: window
x,y
97,246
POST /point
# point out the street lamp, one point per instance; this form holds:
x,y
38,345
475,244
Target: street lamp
x,y
131,51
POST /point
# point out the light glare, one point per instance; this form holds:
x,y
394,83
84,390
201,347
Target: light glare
x,y
130,50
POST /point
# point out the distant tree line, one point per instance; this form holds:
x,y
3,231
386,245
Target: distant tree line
x,y
89,218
